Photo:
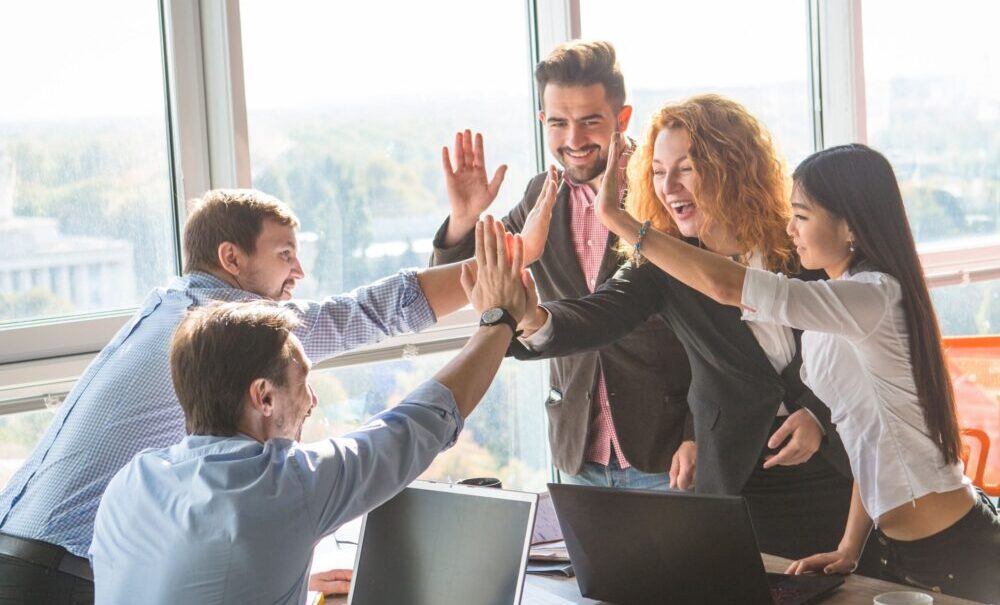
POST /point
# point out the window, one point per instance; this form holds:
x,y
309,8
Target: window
x,y
348,111
756,53
934,110
85,206
505,436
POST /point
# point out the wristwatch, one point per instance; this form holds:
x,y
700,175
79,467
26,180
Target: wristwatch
x,y
498,315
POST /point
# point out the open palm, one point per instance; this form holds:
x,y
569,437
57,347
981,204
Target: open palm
x,y
469,191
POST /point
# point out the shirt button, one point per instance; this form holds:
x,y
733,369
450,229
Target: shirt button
x,y
590,242
593,282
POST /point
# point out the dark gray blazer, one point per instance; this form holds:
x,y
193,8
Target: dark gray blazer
x,y
735,391
645,368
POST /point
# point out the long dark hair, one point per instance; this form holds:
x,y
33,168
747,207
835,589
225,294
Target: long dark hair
x,y
857,183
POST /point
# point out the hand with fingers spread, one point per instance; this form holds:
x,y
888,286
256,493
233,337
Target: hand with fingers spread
x,y
536,224
805,437
608,207
682,465
469,191
499,278
333,582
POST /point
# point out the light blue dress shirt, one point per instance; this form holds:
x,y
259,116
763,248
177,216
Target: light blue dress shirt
x,y
217,520
125,402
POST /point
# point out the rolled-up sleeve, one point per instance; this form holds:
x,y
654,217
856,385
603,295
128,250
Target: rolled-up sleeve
x,y
347,476
391,306
852,308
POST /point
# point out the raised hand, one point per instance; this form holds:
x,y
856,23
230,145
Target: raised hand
x,y
469,191
536,225
498,279
608,207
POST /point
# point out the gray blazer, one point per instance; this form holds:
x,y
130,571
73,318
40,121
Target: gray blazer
x,y
645,368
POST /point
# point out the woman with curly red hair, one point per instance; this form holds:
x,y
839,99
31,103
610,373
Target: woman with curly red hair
x,y
756,426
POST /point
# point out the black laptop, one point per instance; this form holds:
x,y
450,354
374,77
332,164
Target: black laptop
x,y
630,546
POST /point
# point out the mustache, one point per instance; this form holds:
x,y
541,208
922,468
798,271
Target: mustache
x,y
566,148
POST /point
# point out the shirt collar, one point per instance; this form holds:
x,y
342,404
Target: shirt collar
x,y
202,280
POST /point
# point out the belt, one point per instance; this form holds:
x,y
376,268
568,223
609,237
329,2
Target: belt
x,y
46,555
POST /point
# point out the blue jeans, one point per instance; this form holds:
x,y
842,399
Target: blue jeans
x,y
614,475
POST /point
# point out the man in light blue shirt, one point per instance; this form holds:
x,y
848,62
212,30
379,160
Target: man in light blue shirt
x,y
232,512
238,245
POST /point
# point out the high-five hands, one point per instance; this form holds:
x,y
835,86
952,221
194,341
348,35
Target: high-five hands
x,y
608,208
469,191
536,225
498,277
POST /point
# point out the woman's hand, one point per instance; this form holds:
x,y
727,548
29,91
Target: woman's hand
x,y
536,225
839,561
609,210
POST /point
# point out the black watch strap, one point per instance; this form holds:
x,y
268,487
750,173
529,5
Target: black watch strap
x,y
496,315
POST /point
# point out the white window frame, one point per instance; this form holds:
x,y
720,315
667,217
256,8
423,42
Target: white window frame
x,y
209,148
207,122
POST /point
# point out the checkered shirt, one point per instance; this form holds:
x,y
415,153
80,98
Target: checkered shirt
x,y
590,239
125,402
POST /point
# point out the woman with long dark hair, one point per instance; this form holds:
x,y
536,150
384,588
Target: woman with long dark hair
x,y
872,353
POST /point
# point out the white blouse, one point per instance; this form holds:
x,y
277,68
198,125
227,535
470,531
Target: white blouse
x,y
856,359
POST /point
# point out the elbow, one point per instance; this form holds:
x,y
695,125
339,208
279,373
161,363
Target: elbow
x,y
726,292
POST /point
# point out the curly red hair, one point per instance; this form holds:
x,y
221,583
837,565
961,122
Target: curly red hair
x,y
743,186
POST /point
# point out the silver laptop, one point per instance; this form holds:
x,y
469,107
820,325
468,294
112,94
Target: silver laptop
x,y
444,544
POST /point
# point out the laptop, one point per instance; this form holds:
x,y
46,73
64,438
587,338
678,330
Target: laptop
x,y
630,546
444,544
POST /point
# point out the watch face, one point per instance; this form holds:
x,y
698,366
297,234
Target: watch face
x,y
493,315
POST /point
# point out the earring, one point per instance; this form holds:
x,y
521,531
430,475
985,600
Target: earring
x,y
850,246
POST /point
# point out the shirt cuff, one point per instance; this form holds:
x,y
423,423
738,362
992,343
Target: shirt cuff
x,y
415,307
541,337
760,290
438,398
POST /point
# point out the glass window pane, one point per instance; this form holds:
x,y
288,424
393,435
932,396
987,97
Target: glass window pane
x,y
756,53
348,111
504,437
933,107
85,208
968,309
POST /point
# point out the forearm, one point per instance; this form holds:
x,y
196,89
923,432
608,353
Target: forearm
x,y
442,286
471,372
719,278
859,524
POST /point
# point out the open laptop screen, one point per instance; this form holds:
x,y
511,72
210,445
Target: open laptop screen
x,y
444,544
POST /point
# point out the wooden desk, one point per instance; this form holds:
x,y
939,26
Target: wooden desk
x,y
856,590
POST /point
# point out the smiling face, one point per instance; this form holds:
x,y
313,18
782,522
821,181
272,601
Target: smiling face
x,y
579,122
675,180
273,268
821,239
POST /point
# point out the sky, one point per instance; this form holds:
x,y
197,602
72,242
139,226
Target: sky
x,y
63,59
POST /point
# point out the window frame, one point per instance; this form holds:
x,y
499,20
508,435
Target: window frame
x,y
206,121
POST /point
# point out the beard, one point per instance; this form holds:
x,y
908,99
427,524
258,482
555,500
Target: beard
x,y
581,175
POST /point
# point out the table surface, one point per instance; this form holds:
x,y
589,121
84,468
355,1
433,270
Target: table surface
x,y
546,590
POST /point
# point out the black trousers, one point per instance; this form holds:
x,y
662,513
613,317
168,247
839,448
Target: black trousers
x,y
801,510
962,561
24,583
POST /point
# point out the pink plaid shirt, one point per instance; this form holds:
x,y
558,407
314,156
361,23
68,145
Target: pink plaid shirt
x,y
590,238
